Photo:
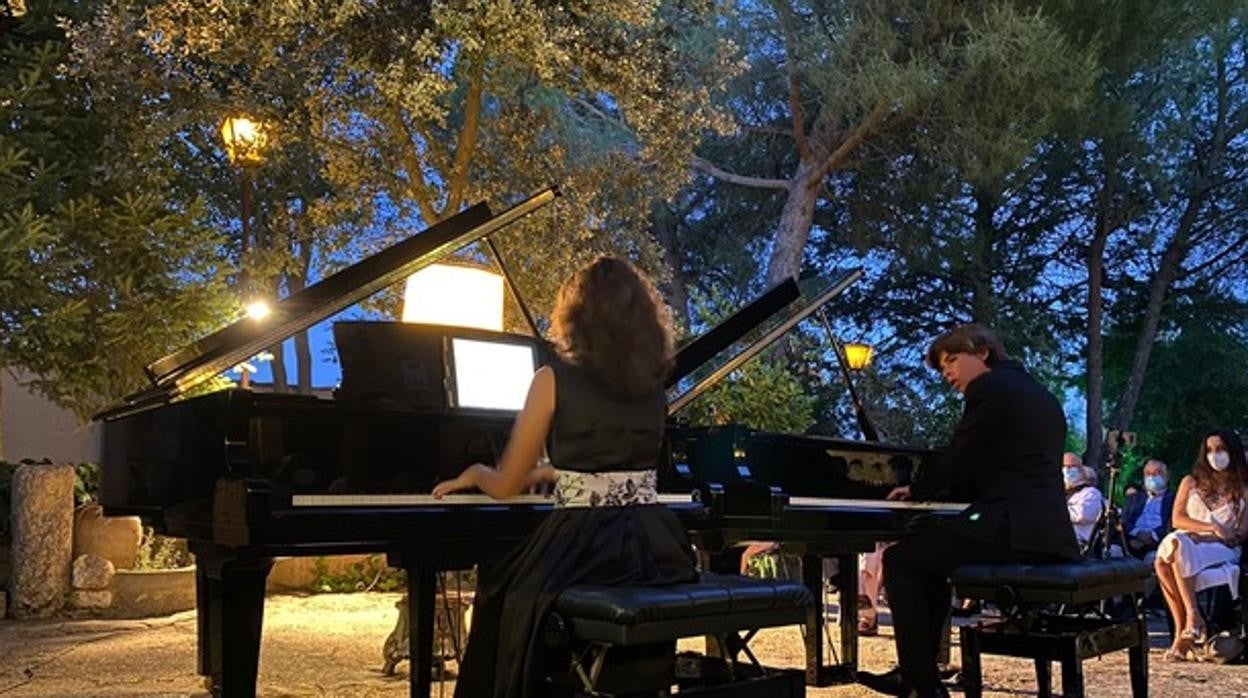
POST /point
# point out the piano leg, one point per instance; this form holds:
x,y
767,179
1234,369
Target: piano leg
x,y
848,566
231,598
818,673
421,588
203,612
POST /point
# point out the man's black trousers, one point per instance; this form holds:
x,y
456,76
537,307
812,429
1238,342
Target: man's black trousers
x,y
916,574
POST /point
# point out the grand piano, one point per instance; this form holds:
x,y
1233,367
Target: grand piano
x,y
247,476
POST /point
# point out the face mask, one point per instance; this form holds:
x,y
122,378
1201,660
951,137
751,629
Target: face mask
x,y
1219,460
1155,484
1071,476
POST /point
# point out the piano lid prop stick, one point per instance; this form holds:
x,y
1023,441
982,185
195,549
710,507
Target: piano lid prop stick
x,y
754,349
864,420
511,284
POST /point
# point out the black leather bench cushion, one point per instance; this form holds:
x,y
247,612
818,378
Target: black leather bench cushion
x,y
714,604
1076,582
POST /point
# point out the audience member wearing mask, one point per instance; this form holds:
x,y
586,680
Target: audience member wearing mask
x,y
1210,524
1083,500
1146,514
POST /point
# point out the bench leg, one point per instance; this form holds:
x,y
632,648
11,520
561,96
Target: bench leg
x,y
1044,678
1072,674
1138,654
972,673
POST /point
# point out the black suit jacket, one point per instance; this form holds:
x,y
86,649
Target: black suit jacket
x,y
1005,460
1134,506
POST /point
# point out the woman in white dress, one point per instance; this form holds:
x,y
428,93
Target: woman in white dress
x,y
1210,525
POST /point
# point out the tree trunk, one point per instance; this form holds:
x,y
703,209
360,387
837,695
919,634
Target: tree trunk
x,y
1,417
983,292
1105,224
795,220
677,290
1121,415
1096,348
278,364
303,352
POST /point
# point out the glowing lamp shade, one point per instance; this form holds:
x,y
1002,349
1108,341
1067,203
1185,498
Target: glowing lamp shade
x,y
245,140
447,294
857,356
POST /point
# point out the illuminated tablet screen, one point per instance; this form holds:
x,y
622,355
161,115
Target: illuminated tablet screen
x,y
491,375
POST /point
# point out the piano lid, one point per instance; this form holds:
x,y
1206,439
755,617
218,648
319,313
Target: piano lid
x,y
728,332
678,403
202,359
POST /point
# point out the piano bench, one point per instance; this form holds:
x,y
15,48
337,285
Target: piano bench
x,y
1061,612
621,640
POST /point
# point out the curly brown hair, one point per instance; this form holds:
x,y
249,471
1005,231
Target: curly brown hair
x,y
609,319
1230,482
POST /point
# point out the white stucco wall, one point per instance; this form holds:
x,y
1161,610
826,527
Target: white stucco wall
x,y
35,428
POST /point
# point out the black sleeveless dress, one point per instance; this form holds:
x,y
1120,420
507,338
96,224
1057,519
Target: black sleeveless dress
x,y
604,532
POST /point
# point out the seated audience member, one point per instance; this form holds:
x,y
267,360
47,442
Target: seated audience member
x,y
1210,524
1083,500
1146,515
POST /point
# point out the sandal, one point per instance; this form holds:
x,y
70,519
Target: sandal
x,y
868,626
1196,635
1174,655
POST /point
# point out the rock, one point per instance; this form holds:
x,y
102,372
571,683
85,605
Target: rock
x,y
114,538
43,515
92,572
4,603
93,600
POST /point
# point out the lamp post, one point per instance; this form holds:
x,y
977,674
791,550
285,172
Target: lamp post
x,y
245,140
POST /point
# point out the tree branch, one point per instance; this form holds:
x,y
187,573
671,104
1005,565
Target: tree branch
x,y
467,142
742,180
795,96
851,142
417,187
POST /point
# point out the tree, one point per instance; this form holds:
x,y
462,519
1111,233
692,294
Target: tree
x,y
97,266
977,83
417,108
1165,176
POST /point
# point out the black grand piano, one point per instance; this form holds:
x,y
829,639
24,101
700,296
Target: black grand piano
x,y
247,476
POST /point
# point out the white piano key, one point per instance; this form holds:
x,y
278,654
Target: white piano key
x,y
833,503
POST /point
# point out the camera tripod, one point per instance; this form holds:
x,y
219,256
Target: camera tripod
x,y
1109,529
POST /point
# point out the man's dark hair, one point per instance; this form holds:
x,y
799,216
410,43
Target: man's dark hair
x,y
966,339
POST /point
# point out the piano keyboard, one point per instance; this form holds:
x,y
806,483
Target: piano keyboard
x,y
831,503
425,500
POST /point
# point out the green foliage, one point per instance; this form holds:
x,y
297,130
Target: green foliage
x,y
1195,379
86,483
411,110
761,394
97,268
764,393
157,552
372,574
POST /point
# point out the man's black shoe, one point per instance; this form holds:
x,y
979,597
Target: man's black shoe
x,y
892,684
889,683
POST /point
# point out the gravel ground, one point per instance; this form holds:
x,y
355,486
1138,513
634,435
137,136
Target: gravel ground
x,y
331,645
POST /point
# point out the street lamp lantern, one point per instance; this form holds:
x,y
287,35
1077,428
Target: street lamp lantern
x,y
245,140
857,355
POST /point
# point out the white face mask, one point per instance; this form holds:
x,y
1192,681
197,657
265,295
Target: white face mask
x,y
1219,460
